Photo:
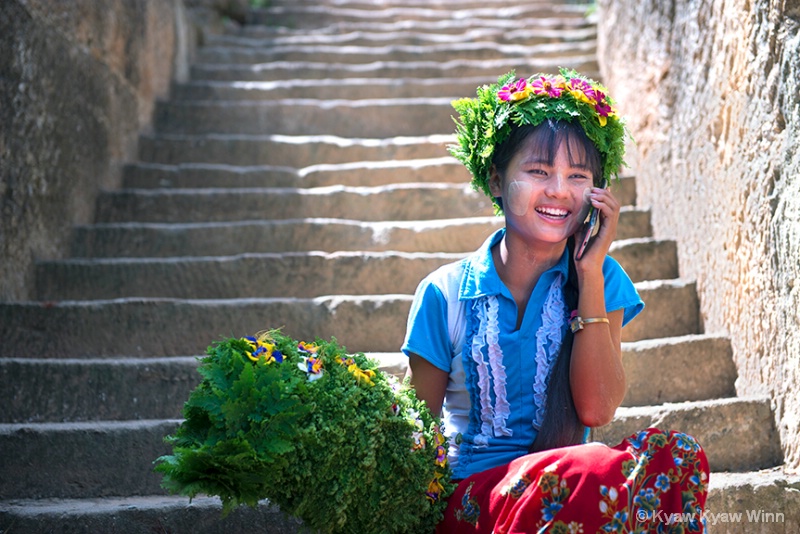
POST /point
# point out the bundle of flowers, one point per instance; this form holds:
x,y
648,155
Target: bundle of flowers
x,y
319,432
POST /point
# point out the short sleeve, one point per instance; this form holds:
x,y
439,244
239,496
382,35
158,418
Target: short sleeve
x,y
620,293
427,334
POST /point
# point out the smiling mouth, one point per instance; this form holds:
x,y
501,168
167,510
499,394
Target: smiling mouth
x,y
553,213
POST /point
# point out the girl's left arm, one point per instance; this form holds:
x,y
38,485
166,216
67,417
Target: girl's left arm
x,y
597,377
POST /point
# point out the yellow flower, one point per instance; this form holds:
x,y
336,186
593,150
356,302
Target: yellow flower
x,y
581,96
259,347
308,348
435,488
362,376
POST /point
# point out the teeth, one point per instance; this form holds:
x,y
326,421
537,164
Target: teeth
x,y
553,212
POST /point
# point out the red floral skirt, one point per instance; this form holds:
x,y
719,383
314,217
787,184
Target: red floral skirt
x,y
654,481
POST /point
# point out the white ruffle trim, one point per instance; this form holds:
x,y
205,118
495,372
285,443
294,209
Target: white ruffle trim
x,y
548,344
502,409
478,342
491,373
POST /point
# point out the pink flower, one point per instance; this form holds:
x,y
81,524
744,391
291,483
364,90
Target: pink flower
x,y
552,87
515,92
582,91
603,109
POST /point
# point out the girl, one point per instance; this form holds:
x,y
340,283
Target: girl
x,y
518,345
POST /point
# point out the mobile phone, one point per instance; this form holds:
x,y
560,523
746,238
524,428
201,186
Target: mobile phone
x,y
591,228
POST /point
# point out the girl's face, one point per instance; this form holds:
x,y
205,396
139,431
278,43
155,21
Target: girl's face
x,y
544,201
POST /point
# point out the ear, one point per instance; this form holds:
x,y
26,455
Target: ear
x,y
495,182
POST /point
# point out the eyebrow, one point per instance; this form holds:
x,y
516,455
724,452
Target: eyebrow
x,y
543,161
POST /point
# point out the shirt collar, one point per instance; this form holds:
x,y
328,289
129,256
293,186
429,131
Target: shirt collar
x,y
480,276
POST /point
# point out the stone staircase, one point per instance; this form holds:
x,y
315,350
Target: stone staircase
x,y
301,180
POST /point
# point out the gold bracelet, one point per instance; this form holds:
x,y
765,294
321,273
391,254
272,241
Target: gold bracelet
x,y
577,323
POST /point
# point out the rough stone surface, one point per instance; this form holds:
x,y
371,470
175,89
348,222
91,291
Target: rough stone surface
x,y
142,515
78,81
736,434
762,502
81,460
712,92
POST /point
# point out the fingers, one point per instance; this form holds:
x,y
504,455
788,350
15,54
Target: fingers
x,y
605,201
608,206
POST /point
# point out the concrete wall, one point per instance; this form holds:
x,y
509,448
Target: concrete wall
x,y
78,81
712,92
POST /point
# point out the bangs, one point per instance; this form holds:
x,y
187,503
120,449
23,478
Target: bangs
x,y
543,142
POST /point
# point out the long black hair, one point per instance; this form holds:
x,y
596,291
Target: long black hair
x,y
561,426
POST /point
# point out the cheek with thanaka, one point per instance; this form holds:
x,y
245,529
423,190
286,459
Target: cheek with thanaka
x,y
518,197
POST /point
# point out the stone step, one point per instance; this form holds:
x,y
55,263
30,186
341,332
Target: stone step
x,y
106,457
645,258
142,515
671,310
71,389
314,16
378,118
110,389
438,4
177,327
331,88
310,234
354,54
738,434
520,36
277,275
766,501
738,494
703,363
675,369
137,327
229,238
733,495
292,274
446,26
355,174
289,151
488,70
396,202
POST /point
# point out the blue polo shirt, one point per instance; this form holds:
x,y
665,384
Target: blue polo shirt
x,y
480,395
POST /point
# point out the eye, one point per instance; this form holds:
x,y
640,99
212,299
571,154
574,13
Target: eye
x,y
580,176
536,171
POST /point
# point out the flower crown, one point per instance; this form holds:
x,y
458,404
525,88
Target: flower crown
x,y
485,122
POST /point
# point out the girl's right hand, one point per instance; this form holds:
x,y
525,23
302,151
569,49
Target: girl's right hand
x,y
607,204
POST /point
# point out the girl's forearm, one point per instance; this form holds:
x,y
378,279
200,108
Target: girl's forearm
x,y
597,376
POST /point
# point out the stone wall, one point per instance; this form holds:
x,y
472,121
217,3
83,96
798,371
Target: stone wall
x,y
78,81
712,92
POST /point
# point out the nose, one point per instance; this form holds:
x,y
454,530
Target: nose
x,y
557,186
